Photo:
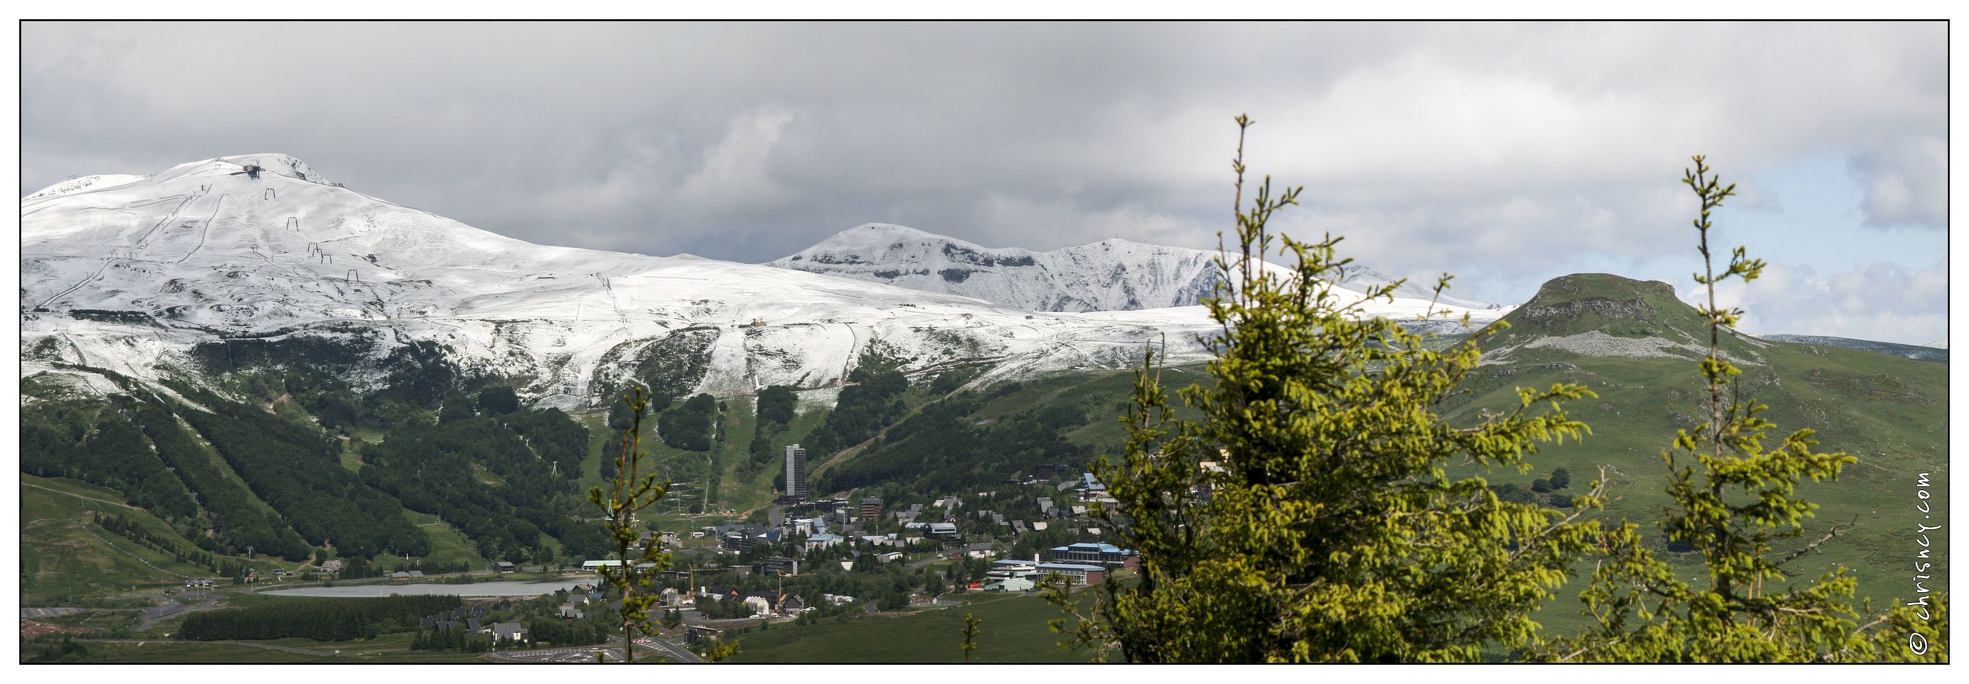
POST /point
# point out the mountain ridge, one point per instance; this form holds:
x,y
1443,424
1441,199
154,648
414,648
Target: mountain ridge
x,y
133,276
1110,275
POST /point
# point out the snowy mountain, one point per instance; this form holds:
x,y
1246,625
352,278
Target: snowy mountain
x,y
146,276
1111,275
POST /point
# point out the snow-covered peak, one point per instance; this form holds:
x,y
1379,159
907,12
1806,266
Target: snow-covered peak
x,y
1110,275
277,164
890,243
134,277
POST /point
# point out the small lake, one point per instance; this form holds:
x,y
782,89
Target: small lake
x,y
473,589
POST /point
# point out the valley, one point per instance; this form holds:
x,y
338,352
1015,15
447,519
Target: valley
x,y
303,386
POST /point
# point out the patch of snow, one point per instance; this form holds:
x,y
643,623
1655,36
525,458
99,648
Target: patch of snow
x,y
1596,343
83,183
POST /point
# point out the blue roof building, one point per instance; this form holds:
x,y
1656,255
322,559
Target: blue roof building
x,y
1090,552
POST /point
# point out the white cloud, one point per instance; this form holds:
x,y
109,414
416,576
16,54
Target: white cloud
x,y
1906,182
1880,301
1498,151
738,165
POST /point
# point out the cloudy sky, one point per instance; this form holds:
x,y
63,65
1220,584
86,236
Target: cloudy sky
x,y
1506,154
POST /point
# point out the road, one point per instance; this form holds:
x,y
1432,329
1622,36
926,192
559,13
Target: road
x,y
579,654
918,564
155,613
668,649
646,648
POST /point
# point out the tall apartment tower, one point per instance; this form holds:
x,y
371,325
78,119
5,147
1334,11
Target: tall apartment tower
x,y
796,473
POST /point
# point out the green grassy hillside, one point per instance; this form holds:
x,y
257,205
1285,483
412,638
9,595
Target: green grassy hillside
x,y
65,558
1631,343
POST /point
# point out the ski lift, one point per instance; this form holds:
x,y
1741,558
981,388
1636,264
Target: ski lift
x,y
251,169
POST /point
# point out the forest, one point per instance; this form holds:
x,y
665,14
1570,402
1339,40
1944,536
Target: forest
x,y
334,619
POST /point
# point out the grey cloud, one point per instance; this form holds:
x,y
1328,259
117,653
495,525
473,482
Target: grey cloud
x,y
1496,151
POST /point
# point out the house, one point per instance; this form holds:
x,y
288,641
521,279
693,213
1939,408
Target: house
x,y
744,537
945,530
1045,504
1038,526
766,602
871,507
416,574
695,633
570,611
503,566
1013,568
670,598
776,565
1019,527
1011,584
889,557
822,541
399,575
1075,572
773,602
332,566
1102,553
508,631
472,624
980,550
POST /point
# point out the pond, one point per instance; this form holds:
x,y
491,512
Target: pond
x,y
474,589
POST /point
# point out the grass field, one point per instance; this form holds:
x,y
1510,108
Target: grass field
x,y
448,545
1014,631
63,556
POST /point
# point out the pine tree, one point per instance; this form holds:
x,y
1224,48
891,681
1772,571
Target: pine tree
x,y
630,494
1309,517
1732,498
